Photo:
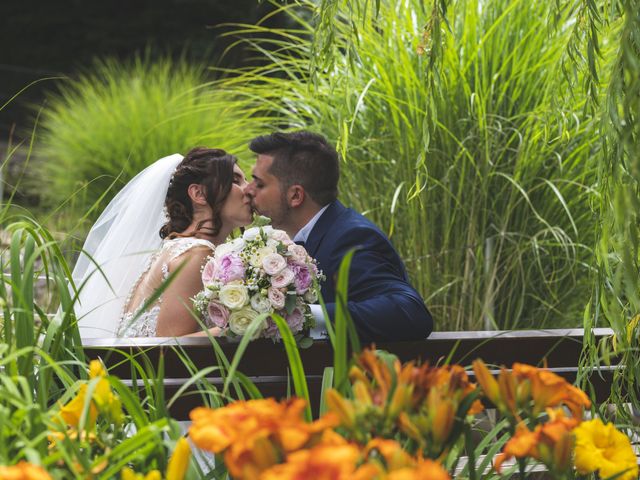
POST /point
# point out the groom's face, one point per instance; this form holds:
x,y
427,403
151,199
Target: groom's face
x,y
265,191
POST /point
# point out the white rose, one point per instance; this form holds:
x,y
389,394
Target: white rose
x,y
273,263
257,258
311,296
276,298
260,303
240,320
234,246
234,296
250,234
268,230
238,244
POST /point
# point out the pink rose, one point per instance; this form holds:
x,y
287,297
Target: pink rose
x,y
273,263
272,330
279,235
295,320
218,314
229,268
282,279
302,278
298,253
276,297
208,272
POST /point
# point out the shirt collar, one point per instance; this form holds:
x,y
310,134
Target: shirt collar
x,y
304,232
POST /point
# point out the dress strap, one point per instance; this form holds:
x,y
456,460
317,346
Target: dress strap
x,y
180,245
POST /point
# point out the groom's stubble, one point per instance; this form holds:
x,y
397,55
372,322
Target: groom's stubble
x,y
281,213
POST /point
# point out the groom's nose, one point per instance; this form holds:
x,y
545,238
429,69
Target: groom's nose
x,y
249,189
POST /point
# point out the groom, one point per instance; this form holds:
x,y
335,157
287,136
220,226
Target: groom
x,y
295,183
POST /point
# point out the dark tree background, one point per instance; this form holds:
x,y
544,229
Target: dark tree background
x,y
40,38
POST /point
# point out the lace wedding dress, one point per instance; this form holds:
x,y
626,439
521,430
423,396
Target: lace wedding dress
x,y
154,274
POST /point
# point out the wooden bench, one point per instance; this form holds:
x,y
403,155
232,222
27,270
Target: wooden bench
x,y
266,364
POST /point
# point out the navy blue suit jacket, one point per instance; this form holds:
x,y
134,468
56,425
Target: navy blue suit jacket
x,y
382,303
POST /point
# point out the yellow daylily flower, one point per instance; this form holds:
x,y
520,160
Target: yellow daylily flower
x,y
179,461
72,411
604,449
106,401
96,369
128,474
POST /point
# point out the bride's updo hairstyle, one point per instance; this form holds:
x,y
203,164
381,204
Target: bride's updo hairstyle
x,y
210,167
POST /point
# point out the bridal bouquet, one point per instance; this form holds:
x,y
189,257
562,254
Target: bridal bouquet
x,y
262,272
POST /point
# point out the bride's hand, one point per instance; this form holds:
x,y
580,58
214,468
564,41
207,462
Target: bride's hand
x,y
216,331
213,331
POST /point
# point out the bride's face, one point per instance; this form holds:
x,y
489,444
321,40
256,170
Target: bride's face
x,y
236,211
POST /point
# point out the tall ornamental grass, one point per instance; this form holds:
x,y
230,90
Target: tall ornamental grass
x,y
105,126
479,165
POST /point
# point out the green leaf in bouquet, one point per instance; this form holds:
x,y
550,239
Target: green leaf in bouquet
x,y
305,342
260,221
290,304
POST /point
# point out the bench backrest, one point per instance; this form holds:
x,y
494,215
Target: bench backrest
x,y
266,363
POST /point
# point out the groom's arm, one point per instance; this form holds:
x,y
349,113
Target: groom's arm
x,y
382,303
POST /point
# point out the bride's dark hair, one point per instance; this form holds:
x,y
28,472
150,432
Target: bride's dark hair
x,y
211,167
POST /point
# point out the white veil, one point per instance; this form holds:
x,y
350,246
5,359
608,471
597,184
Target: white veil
x,y
120,243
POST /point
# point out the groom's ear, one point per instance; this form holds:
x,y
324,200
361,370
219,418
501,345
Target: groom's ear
x,y
296,195
197,194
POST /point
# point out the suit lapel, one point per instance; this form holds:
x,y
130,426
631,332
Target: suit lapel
x,y
322,226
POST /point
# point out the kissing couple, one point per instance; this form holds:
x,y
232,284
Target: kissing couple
x,y
168,221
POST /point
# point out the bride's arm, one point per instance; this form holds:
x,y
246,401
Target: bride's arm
x,y
176,318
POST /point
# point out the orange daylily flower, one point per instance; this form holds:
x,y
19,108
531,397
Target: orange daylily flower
x,y
402,397
23,471
395,457
441,414
341,407
322,462
515,389
422,401
488,384
424,469
438,393
371,364
551,390
550,442
256,434
398,464
522,444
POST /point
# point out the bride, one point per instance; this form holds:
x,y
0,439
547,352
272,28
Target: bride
x,y
136,245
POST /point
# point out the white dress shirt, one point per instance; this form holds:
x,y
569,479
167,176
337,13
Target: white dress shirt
x,y
304,232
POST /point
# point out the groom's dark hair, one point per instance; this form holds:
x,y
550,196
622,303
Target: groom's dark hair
x,y
302,158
